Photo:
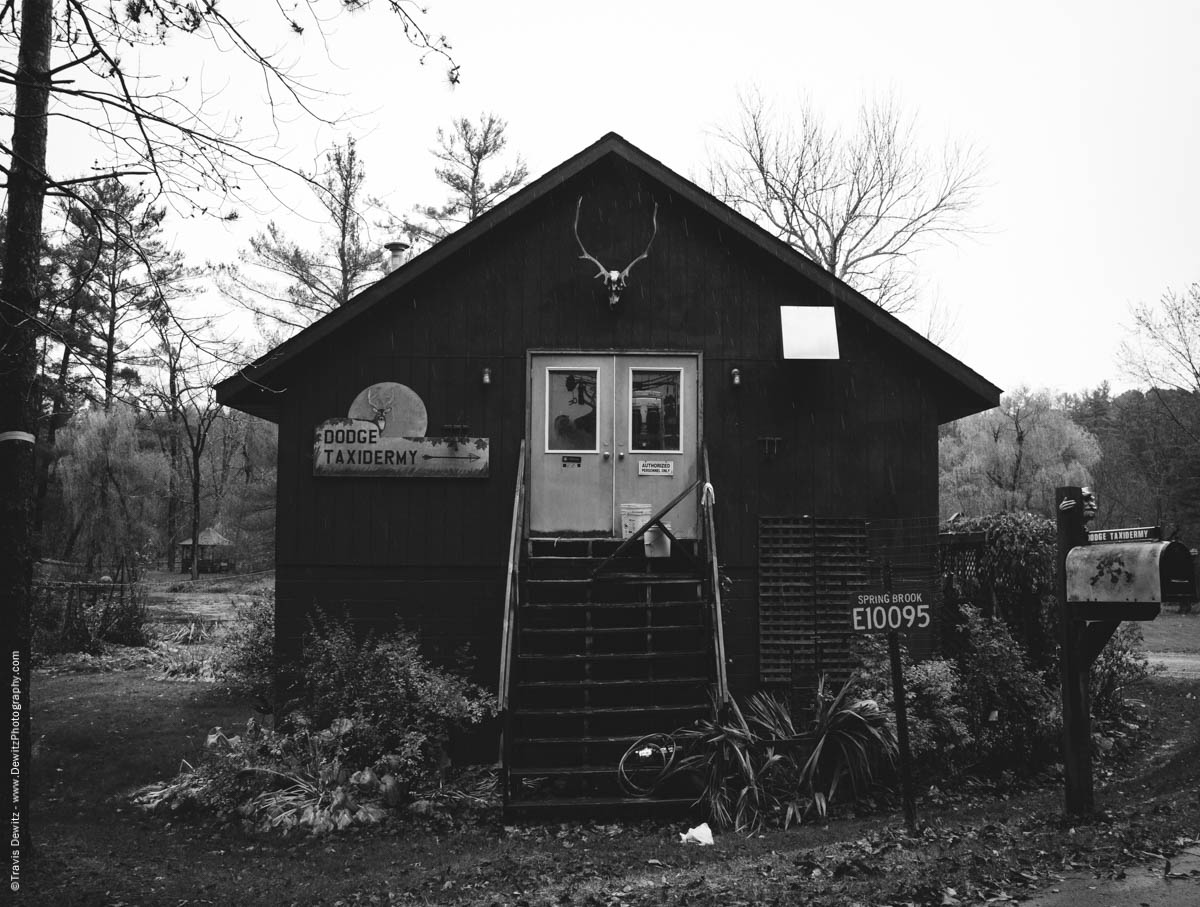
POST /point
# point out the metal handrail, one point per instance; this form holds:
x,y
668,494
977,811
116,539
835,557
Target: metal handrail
x,y
655,520
511,593
714,576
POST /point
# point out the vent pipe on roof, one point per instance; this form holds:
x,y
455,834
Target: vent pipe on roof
x,y
397,255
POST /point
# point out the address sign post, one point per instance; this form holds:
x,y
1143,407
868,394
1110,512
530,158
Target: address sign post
x,y
883,610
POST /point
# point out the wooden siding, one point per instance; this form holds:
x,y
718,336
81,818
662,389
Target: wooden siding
x,y
858,435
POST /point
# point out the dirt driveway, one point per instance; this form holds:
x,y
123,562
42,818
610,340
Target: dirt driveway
x,y
1161,884
209,599
1177,664
185,607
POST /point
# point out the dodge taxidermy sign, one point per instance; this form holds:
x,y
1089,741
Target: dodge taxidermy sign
x,y
384,435
352,447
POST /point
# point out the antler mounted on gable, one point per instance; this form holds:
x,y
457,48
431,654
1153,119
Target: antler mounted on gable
x,y
614,281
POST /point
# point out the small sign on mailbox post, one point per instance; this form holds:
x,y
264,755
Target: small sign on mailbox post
x,y
1132,534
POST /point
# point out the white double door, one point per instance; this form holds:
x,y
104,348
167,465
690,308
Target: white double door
x,y
608,430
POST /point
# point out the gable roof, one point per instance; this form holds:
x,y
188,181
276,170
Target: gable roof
x,y
209,536
248,389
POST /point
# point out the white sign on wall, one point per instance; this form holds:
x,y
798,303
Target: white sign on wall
x,y
656,467
384,435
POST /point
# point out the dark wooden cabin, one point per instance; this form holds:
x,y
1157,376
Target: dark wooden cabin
x,y
461,447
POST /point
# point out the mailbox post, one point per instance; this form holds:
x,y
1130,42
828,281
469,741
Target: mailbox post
x,y
1126,575
1074,510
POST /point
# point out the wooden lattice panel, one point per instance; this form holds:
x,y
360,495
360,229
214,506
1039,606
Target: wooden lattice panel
x,y
807,568
958,554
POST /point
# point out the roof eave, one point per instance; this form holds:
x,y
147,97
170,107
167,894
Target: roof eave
x,y
256,374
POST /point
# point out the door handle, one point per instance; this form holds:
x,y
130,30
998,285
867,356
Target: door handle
x,y
620,454
607,454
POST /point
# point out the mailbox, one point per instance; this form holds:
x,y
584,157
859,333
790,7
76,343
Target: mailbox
x,y
1128,572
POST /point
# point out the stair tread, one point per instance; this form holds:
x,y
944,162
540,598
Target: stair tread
x,y
650,578
581,559
608,656
534,771
558,802
607,630
573,604
585,711
627,739
658,681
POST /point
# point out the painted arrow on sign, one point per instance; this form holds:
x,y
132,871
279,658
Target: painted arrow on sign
x,y
355,447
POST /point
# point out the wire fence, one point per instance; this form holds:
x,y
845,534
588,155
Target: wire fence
x,y
78,616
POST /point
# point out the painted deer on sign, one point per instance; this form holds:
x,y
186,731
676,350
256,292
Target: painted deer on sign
x,y
383,409
614,281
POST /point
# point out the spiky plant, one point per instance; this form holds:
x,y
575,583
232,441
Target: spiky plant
x,y
849,739
755,765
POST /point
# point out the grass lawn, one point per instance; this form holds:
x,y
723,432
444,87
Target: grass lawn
x,y
99,735
1173,632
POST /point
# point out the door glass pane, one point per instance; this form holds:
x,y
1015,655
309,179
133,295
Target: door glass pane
x,y
654,414
571,409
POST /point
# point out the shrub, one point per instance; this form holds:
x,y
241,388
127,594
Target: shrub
x,y
849,739
755,765
122,618
987,711
398,703
938,732
250,645
376,718
938,735
1018,559
275,781
1121,664
1011,714
1014,580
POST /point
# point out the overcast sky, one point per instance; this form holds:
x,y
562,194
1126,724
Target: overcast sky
x,y
1086,113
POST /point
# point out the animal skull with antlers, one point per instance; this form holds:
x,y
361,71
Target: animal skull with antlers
x,y
614,281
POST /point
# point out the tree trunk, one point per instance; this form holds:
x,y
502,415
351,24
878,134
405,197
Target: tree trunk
x,y
69,548
172,497
110,351
195,513
176,462
18,316
58,412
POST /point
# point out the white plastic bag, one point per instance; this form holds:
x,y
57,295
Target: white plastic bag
x,y
701,834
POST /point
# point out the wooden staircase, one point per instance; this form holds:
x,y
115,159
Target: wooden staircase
x,y
597,662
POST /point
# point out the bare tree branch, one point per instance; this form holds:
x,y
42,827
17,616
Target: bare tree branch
x,y
1164,352
140,122
862,206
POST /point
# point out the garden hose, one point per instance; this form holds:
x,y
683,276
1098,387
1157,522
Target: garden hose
x,y
653,750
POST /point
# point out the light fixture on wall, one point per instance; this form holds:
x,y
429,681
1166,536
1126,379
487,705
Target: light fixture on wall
x,y
486,377
735,377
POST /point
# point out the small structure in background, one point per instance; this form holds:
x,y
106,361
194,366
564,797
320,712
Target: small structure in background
x,y
215,553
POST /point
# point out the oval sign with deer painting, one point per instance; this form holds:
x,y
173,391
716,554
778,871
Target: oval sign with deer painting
x,y
384,435
395,408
